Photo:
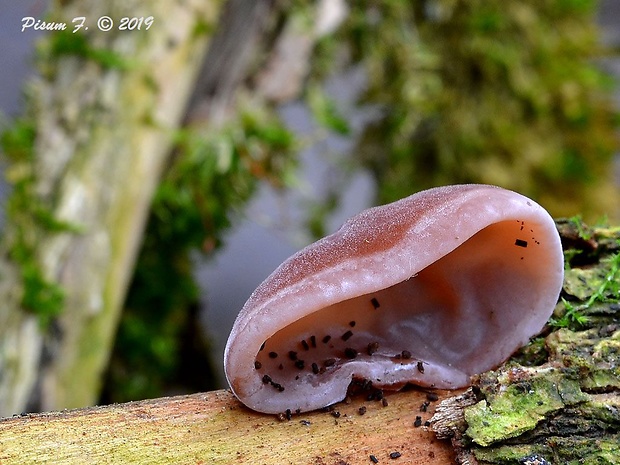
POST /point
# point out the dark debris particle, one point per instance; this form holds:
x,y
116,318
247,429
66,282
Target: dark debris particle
x,y
300,364
424,406
288,414
313,341
374,459
521,243
315,368
335,414
361,410
427,423
350,353
266,379
375,303
273,355
346,336
432,396
305,345
330,362
418,421
372,348
394,455
384,402
405,354
326,339
352,323
305,422
258,365
292,355
420,366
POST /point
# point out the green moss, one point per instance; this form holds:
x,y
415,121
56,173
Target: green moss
x,y
567,409
545,412
589,285
590,353
202,28
513,454
566,451
583,282
521,406
31,217
213,174
532,354
324,110
498,92
63,43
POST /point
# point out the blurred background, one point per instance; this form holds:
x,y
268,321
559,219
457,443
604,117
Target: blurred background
x,y
156,173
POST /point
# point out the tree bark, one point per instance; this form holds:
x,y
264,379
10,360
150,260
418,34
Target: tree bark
x,y
105,115
214,428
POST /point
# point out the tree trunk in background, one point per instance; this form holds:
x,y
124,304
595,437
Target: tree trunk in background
x,y
104,116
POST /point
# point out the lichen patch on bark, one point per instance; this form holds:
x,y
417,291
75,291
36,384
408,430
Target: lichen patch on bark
x,y
558,399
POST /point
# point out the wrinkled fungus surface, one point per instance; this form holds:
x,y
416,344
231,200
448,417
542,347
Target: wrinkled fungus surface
x,y
430,289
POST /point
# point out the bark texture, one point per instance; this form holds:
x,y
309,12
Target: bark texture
x,y
105,111
214,428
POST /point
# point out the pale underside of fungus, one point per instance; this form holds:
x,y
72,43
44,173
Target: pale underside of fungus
x,y
428,290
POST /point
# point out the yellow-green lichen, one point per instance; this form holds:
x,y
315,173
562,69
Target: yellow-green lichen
x,y
595,353
518,407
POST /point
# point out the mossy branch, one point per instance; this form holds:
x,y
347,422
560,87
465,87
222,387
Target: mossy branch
x,y
558,400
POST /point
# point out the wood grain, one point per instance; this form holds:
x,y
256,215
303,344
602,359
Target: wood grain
x,y
214,427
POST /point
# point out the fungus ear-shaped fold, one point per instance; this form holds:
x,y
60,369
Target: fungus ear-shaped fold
x,y
430,289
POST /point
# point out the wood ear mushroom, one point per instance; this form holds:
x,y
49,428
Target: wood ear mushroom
x,y
429,290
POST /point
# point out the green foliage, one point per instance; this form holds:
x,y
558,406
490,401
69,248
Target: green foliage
x,y
31,218
65,42
608,290
213,174
582,231
324,110
572,317
218,171
485,91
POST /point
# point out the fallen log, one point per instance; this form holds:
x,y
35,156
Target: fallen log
x,y
213,427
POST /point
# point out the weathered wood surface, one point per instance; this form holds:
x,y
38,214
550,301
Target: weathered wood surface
x,y
213,428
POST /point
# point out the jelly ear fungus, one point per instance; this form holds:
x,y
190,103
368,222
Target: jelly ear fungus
x,y
430,290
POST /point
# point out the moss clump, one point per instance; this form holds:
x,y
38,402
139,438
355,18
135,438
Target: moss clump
x,y
63,43
490,91
31,218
